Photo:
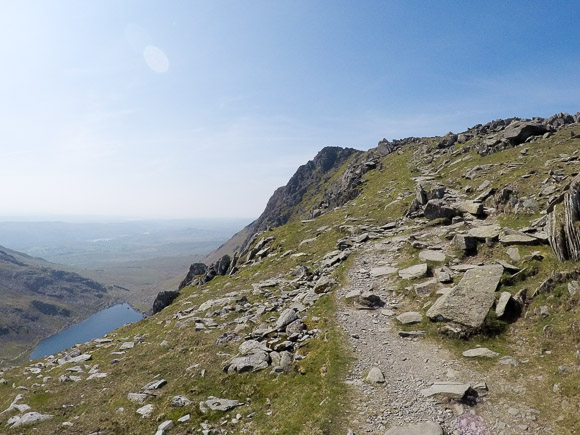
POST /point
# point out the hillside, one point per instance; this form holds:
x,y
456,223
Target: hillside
x,y
37,299
428,285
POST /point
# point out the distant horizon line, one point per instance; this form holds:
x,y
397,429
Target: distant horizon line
x,y
73,218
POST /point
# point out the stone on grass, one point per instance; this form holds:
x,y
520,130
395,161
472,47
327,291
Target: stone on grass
x,y
28,418
180,401
145,411
480,352
514,253
217,404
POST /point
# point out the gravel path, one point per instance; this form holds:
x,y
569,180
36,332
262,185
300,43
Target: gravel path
x,y
412,364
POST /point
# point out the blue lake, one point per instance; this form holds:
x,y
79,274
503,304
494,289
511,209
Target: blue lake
x,y
95,326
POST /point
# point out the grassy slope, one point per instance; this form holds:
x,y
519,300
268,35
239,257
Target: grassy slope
x,y
315,385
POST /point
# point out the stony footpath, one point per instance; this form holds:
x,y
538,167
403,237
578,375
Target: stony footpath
x,y
404,379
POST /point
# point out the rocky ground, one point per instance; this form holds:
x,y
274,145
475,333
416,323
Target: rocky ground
x,y
395,397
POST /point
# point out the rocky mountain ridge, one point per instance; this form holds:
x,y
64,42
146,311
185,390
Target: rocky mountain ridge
x,y
38,299
438,299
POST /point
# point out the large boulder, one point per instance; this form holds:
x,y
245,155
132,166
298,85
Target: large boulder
x,y
517,132
469,302
438,209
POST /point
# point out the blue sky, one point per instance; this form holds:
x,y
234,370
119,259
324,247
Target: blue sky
x,y
177,109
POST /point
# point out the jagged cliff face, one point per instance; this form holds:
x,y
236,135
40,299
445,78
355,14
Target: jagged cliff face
x,y
286,200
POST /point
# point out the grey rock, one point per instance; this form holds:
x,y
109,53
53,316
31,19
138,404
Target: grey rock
x,y
145,411
514,253
509,361
377,272
180,401
410,317
444,274
295,327
428,428
414,272
216,404
286,360
471,207
480,352
469,302
439,209
562,224
369,299
517,238
519,131
252,346
485,232
165,426
28,418
452,390
507,307
154,385
430,255
324,285
287,317
465,243
375,376
250,363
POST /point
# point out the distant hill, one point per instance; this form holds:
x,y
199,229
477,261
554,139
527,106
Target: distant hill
x,y
37,299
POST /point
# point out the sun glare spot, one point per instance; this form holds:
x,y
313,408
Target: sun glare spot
x,y
156,59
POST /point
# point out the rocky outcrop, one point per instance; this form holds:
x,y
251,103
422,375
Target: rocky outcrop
x,y
563,222
164,299
195,269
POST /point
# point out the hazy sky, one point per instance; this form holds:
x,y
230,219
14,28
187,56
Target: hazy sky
x,y
202,108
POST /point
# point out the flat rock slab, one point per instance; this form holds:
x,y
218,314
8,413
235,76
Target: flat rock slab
x,y
517,239
414,272
453,390
377,272
469,302
485,232
409,318
431,255
428,428
480,352
216,404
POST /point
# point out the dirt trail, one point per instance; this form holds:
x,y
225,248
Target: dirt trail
x,y
412,364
